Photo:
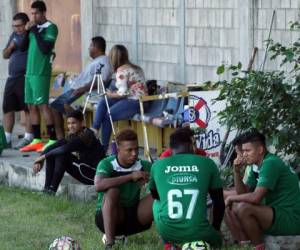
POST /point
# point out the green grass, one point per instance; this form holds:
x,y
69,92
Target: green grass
x,y
32,220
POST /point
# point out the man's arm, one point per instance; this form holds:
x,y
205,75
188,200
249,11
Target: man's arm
x,y
6,53
103,183
218,207
254,197
44,45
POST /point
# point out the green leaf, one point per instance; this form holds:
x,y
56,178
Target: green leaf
x,y
221,69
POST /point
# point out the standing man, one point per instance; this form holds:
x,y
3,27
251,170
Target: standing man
x,y
41,35
118,181
13,99
277,184
82,83
180,185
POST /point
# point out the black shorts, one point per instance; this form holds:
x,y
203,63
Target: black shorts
x,y
13,98
130,226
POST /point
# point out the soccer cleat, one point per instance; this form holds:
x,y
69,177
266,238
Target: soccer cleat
x,y
120,239
49,143
35,145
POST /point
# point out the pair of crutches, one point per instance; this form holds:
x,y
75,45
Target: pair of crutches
x,y
101,91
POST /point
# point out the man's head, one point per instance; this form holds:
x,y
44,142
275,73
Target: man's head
x,y
74,121
254,147
38,12
128,147
181,141
19,21
237,144
97,46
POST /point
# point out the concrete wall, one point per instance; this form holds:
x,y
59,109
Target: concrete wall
x,y
172,48
6,7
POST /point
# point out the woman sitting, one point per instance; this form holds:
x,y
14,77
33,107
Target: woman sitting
x,y
130,84
78,155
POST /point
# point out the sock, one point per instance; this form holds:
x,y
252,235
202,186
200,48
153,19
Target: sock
x,y
51,132
28,136
8,137
260,246
36,129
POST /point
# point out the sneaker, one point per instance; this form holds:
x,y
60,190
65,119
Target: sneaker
x,y
121,239
35,145
8,145
49,143
22,143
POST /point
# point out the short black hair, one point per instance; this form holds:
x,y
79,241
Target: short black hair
x,y
237,141
181,137
253,136
126,134
77,114
39,5
99,42
21,16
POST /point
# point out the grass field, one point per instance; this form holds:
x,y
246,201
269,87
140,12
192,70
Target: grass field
x,y
32,220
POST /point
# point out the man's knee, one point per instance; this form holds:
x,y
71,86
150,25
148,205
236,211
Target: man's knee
x,y
111,197
242,209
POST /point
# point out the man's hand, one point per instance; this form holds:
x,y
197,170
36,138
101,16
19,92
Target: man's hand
x,y
238,163
140,176
37,167
29,25
79,91
12,45
228,201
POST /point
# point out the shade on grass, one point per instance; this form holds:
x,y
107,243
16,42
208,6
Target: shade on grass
x,y
32,220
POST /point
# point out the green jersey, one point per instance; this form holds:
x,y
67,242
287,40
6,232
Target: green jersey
x,y
280,180
39,64
183,182
130,191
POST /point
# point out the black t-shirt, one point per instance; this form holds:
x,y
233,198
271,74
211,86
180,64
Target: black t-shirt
x,y
84,145
18,58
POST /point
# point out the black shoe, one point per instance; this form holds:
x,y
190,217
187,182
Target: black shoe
x,y
108,246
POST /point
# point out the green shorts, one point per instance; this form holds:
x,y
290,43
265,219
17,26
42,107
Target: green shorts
x,y
37,89
285,222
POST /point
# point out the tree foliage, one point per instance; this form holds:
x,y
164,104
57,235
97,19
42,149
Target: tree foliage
x,y
268,101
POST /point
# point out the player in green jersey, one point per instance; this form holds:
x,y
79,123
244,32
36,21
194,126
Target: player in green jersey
x,y
41,37
180,185
277,184
118,182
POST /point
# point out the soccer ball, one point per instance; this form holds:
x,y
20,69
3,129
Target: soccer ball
x,y
64,243
196,245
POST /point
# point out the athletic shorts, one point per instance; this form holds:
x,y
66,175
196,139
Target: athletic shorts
x,y
37,89
285,222
66,98
13,98
130,226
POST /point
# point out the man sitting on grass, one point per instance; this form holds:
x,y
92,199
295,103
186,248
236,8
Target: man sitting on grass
x,y
118,182
180,185
277,184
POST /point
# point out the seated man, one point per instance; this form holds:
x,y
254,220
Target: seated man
x,y
240,172
82,83
118,182
180,185
78,154
277,184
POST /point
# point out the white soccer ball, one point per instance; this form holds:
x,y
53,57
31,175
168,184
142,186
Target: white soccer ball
x,y
64,243
196,245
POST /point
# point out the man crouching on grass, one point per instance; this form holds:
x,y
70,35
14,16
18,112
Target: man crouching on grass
x,y
118,182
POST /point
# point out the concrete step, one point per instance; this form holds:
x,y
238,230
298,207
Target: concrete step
x,y
16,171
282,242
